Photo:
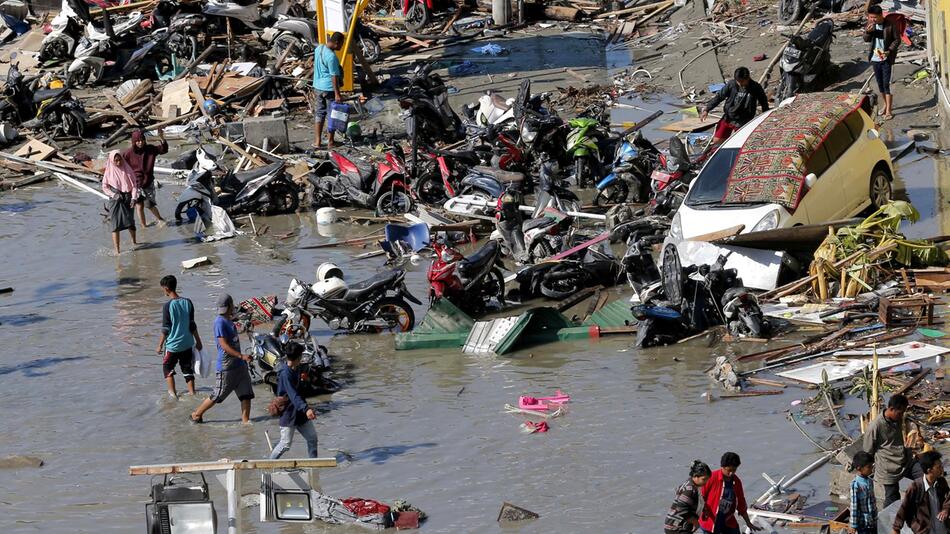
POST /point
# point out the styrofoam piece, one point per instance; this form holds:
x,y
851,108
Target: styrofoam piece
x,y
840,369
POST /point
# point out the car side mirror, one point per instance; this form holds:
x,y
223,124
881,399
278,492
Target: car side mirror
x,y
810,180
873,134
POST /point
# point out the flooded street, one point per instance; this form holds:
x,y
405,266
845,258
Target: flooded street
x,y
83,390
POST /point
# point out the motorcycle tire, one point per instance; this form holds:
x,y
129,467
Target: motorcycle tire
x,y
397,312
185,47
581,172
790,11
371,49
285,41
498,280
78,78
788,87
561,289
271,380
183,207
615,193
752,324
394,202
431,191
541,251
283,199
417,17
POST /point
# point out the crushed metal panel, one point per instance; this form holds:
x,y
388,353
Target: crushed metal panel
x,y
535,325
444,326
840,369
616,313
758,269
486,335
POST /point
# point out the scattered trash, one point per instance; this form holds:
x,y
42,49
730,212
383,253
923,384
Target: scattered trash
x,y
195,262
530,427
510,513
490,49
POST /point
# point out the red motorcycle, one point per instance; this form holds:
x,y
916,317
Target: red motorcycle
x,y
380,186
418,13
470,283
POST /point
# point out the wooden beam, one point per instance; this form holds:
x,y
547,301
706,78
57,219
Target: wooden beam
x,y
199,96
233,146
118,107
227,465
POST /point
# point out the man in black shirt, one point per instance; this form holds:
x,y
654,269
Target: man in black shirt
x,y
741,95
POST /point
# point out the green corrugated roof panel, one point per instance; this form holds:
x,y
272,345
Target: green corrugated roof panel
x,y
617,313
537,324
444,326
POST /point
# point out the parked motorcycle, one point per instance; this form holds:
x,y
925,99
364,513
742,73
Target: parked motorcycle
x,y
54,111
805,59
470,283
444,174
270,351
629,178
379,186
67,27
586,142
418,13
96,47
428,116
266,191
372,305
791,11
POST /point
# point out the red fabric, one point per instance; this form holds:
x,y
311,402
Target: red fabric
x,y
712,491
362,507
724,129
900,22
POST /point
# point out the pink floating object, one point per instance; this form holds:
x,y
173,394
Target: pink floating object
x,y
542,404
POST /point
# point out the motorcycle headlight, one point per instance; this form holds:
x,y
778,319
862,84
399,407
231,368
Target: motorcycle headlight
x,y
769,222
527,134
676,227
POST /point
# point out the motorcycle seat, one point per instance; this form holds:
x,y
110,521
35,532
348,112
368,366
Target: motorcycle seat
x,y
367,171
500,175
540,222
46,94
499,102
465,156
476,261
370,285
821,33
245,3
247,176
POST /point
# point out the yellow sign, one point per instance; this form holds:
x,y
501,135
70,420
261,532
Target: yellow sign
x,y
331,17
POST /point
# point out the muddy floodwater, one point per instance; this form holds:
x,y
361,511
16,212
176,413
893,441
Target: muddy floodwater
x,y
82,388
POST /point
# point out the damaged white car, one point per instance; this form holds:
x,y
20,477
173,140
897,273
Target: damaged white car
x,y
815,158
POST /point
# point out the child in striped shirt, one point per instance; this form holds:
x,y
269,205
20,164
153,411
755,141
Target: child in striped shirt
x,y
683,517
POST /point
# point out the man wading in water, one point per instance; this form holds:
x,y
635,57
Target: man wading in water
x,y
141,158
232,374
179,336
884,440
741,95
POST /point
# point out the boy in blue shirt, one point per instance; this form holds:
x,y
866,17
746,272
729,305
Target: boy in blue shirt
x,y
327,74
179,336
863,504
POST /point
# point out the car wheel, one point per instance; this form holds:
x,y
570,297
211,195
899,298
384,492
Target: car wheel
x,y
880,188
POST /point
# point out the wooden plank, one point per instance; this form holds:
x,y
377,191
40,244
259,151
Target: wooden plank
x,y
721,234
576,298
906,387
227,465
691,124
117,106
751,394
254,159
199,96
35,150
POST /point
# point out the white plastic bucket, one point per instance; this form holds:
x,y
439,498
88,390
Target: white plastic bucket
x,y
326,216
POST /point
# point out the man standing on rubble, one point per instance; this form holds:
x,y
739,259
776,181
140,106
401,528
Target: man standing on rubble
x,y
741,96
883,36
892,459
141,158
327,74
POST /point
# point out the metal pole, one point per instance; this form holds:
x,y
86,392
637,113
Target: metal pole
x,y
776,489
233,486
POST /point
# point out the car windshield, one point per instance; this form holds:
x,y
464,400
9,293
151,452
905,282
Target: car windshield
x,y
710,185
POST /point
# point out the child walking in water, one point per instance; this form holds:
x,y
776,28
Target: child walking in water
x,y
683,517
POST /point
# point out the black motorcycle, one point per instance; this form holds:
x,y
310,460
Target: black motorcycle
x,y
805,60
54,111
791,11
265,191
428,115
271,351
373,305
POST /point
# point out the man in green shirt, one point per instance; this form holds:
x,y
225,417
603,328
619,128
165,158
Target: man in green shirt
x,y
884,439
327,74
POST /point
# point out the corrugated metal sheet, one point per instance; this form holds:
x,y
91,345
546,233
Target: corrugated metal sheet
x,y
486,335
616,313
537,325
444,326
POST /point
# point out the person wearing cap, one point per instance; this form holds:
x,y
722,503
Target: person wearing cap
x,y
232,372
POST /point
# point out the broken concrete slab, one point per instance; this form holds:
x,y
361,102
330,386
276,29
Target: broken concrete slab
x,y
19,461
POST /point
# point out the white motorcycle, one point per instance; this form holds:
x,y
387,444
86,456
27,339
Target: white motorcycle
x,y
491,110
96,46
